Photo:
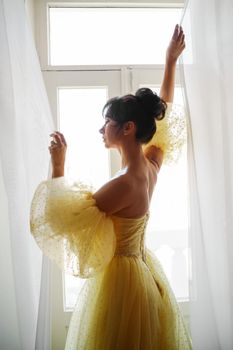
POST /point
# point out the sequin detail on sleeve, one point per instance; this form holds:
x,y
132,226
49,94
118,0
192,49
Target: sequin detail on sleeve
x,y
171,133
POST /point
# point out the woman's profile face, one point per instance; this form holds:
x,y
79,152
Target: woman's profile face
x,y
110,132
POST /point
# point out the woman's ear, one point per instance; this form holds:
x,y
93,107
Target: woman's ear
x,y
129,127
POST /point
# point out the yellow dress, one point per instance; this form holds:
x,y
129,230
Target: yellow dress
x,y
126,302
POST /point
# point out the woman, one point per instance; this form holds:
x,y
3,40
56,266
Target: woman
x,y
126,302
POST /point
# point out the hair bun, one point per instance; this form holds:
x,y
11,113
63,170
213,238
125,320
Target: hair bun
x,y
152,104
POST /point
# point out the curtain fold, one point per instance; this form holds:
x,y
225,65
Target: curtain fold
x,y
25,125
44,327
208,79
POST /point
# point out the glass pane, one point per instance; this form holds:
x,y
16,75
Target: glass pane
x,y
95,36
167,231
87,159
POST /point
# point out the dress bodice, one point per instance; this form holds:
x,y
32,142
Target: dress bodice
x,y
130,235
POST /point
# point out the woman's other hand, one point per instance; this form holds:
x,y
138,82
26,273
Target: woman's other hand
x,y
176,45
57,150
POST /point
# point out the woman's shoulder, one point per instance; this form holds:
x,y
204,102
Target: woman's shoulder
x,y
154,156
114,195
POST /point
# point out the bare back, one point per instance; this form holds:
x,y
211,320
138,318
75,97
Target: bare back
x,y
143,180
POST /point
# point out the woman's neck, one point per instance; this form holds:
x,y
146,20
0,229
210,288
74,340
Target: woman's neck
x,y
131,155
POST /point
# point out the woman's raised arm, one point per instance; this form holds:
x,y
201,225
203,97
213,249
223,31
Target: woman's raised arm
x,y
174,50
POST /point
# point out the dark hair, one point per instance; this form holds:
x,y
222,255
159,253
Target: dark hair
x,y
143,108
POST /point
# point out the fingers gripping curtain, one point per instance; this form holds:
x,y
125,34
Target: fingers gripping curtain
x,y
25,125
208,80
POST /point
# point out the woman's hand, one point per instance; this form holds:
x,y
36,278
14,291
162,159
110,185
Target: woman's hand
x,y
58,151
176,45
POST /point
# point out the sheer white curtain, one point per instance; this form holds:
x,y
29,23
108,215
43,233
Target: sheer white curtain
x,y
208,79
25,125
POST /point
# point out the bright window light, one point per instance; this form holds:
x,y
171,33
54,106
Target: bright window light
x,y
80,117
171,189
108,36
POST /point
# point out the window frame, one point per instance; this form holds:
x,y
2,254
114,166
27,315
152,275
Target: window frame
x,y
42,24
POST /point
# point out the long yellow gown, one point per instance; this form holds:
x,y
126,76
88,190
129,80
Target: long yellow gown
x,y
126,302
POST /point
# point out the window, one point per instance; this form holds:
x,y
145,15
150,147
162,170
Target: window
x,y
95,71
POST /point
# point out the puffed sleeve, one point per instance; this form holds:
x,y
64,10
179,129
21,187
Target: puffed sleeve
x,y
70,229
171,134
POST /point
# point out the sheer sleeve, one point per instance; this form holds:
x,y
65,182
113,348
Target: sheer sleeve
x,y
70,229
171,134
